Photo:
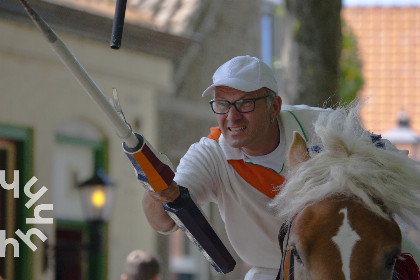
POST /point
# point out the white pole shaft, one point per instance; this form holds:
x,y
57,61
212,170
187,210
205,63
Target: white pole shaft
x,y
94,92
71,62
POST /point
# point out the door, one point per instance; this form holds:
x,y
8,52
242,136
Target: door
x,y
8,205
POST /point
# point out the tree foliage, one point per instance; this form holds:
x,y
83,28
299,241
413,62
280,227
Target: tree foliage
x,y
351,79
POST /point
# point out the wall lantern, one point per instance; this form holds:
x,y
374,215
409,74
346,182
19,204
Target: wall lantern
x,y
96,196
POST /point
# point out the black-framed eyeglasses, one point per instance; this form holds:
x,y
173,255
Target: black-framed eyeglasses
x,y
242,105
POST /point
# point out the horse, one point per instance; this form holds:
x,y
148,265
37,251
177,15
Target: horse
x,y
341,203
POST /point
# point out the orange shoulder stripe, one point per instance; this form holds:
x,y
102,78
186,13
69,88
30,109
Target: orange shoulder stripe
x,y
261,178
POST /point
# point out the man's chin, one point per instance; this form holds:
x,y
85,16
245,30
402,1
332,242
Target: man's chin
x,y
235,143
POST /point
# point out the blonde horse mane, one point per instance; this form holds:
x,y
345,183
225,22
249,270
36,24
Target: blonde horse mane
x,y
350,163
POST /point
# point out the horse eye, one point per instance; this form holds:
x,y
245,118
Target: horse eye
x,y
296,255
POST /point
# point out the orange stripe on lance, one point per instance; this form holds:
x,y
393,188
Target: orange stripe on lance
x,y
155,172
153,168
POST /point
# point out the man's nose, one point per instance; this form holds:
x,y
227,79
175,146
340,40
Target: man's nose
x,y
233,113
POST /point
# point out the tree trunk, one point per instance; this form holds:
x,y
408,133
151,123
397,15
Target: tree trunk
x,y
312,52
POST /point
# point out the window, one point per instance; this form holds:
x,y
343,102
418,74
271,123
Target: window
x,y
267,38
80,148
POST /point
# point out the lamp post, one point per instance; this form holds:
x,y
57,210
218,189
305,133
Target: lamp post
x,y
403,137
96,196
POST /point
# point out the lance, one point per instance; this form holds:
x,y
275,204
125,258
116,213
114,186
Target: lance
x,y
153,169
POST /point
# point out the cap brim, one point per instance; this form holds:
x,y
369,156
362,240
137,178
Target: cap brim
x,y
233,83
208,90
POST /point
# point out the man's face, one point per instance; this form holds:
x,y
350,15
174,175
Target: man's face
x,y
253,132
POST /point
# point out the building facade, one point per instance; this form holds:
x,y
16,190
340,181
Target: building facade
x,y
51,130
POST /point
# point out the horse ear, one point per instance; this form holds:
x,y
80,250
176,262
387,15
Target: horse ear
x,y
298,152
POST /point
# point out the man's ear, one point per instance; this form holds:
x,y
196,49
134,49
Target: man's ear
x,y
298,152
123,277
275,107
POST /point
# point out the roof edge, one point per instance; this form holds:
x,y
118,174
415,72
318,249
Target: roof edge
x,y
99,28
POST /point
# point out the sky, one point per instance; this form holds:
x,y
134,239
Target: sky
x,y
381,3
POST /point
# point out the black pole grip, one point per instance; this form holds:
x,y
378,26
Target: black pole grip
x,y
189,218
118,25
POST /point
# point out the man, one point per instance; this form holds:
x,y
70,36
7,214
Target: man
x,y
241,165
140,265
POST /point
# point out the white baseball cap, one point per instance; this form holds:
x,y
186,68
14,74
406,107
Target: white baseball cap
x,y
244,73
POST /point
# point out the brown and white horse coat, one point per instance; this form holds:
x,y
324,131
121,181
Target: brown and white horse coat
x,y
344,201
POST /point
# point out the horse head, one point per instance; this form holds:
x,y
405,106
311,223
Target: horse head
x,y
340,204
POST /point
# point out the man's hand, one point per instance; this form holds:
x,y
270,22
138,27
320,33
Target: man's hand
x,y
153,209
167,195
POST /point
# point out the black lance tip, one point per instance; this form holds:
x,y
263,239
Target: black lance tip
x,y
117,27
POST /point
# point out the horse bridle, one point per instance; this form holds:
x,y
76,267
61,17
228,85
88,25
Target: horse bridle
x,y
287,255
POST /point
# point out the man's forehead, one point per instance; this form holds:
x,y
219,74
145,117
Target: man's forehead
x,y
225,91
